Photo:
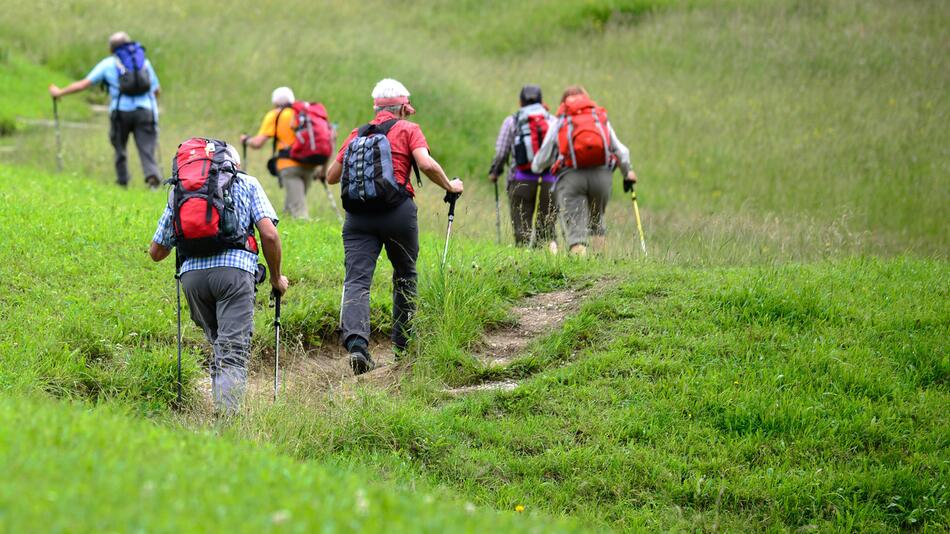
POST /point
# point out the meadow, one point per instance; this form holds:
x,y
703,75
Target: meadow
x,y
778,362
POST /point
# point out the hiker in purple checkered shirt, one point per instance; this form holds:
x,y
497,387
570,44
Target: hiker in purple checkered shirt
x,y
519,139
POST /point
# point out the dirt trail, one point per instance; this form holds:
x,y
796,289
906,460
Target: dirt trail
x,y
536,316
323,368
326,367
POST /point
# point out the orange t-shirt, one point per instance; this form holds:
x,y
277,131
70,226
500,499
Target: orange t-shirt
x,y
284,131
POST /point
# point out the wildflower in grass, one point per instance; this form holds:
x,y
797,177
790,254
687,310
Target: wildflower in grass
x,y
519,508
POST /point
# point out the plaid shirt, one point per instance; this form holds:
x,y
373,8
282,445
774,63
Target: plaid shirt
x,y
504,145
252,206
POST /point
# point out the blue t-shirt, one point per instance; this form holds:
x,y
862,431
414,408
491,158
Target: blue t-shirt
x,y
107,71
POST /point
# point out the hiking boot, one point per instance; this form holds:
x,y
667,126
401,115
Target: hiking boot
x,y
579,250
360,360
361,363
153,183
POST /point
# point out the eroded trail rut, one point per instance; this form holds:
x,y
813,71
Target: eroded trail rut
x,y
326,368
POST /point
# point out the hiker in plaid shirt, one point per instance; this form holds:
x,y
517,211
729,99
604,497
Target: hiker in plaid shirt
x,y
220,288
524,185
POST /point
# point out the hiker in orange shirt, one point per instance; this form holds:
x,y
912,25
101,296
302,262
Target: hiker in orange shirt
x,y
280,127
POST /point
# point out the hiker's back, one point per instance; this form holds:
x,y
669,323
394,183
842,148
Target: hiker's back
x,y
584,135
377,162
211,200
531,125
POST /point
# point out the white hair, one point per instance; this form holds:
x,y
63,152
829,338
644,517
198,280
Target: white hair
x,y
282,96
389,88
118,39
233,152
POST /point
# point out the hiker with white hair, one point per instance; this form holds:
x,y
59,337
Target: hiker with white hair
x,y
373,167
133,91
301,143
211,225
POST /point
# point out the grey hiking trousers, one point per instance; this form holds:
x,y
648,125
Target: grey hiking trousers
x,y
141,125
522,196
582,196
364,236
221,300
296,182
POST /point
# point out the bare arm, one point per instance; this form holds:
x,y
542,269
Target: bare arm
x,y
158,252
75,87
334,173
431,168
256,141
270,243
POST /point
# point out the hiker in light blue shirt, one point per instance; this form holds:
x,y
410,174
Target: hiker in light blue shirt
x,y
106,73
133,106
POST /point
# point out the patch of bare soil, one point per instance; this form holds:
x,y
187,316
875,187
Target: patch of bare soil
x,y
324,368
536,316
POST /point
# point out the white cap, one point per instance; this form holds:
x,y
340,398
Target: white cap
x,y
389,88
282,96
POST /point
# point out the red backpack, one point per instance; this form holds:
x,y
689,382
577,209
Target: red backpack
x,y
205,217
584,137
531,125
312,132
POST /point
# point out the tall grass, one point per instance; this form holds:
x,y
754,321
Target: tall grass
x,y
790,116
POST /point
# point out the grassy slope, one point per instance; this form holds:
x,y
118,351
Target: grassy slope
x,y
763,398
762,130
67,468
22,80
758,127
821,387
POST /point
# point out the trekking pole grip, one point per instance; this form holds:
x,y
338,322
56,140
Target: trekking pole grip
x,y
450,198
276,295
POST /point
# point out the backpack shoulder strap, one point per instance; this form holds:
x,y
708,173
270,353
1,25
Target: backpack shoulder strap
x,y
273,146
381,128
412,160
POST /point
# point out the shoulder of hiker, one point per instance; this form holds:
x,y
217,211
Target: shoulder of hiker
x,y
413,131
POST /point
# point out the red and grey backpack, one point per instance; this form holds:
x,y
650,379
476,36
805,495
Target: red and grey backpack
x,y
312,133
205,215
531,125
584,137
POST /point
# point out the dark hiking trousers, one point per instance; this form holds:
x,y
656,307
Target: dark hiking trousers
x,y
141,124
221,300
522,198
364,236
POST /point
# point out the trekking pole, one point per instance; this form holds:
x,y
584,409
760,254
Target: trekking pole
x,y
178,290
450,198
497,213
276,295
336,210
636,213
244,155
537,208
59,141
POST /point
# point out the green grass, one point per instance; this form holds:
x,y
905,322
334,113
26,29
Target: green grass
x,y
22,96
779,362
69,468
753,398
778,397
762,131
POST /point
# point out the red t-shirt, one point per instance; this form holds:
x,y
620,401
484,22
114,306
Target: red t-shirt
x,y
404,137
